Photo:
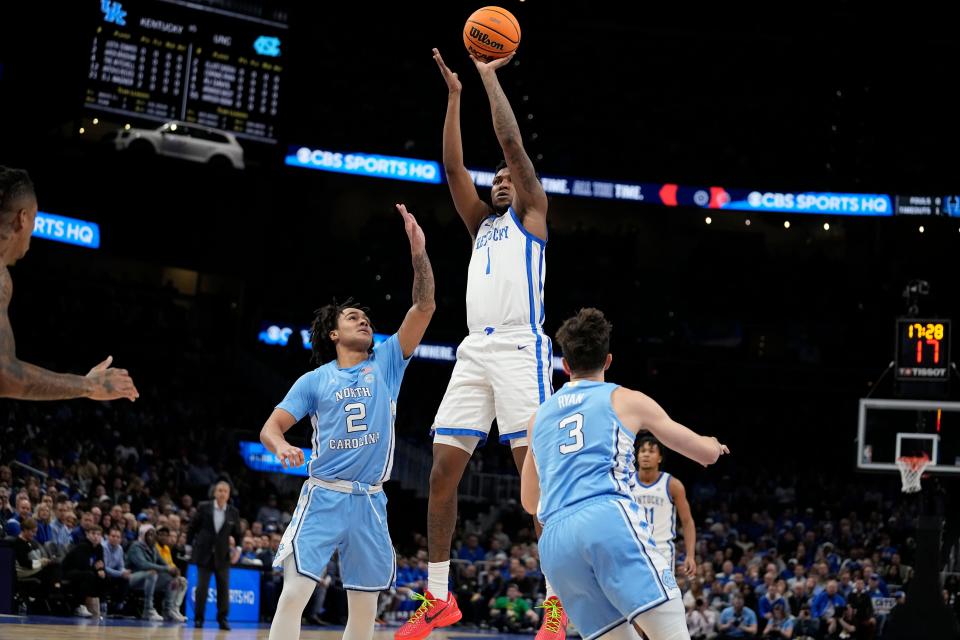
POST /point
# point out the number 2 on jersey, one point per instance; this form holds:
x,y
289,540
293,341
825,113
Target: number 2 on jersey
x,y
352,418
576,432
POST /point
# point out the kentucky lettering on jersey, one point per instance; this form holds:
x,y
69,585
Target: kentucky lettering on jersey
x,y
352,411
506,275
493,235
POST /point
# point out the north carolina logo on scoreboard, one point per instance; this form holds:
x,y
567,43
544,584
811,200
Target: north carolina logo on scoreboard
x,y
113,12
267,46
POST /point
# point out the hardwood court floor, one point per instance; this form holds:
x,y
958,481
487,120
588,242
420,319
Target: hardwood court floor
x,y
50,628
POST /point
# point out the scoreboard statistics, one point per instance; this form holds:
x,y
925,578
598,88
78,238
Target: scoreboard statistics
x,y
174,60
923,349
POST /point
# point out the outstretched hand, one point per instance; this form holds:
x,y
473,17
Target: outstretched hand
x,y
418,243
493,65
453,82
111,384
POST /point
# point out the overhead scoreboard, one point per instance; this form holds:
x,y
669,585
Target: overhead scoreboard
x,y
167,60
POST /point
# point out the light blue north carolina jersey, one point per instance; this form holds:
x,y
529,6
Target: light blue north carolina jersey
x,y
505,277
581,449
352,412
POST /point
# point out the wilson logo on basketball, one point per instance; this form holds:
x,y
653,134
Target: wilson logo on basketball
x,y
484,39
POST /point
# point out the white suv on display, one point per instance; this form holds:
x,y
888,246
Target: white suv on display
x,y
186,140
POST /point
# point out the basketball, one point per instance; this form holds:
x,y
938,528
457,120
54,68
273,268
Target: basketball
x,y
491,33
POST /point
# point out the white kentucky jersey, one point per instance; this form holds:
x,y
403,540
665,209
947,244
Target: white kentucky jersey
x,y
505,277
660,513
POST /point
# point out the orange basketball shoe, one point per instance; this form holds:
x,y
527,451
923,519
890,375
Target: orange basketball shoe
x,y
554,625
432,614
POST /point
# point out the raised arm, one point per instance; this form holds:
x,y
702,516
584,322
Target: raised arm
x,y
531,199
471,208
25,381
638,411
418,317
679,495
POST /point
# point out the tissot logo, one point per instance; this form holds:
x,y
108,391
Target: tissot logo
x,y
484,39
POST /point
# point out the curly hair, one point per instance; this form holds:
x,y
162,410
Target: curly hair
x,y
645,437
325,320
584,340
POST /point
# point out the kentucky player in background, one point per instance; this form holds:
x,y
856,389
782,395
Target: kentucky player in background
x,y
662,498
503,366
352,403
577,481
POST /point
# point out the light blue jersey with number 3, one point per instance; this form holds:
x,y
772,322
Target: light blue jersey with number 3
x,y
581,449
352,411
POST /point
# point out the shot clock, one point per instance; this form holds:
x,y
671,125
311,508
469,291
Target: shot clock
x,y
923,350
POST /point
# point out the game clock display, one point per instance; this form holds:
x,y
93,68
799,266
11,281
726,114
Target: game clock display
x,y
923,349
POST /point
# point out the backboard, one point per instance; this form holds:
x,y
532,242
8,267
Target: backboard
x,y
889,429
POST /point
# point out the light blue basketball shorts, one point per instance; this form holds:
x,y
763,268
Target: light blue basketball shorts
x,y
354,523
597,557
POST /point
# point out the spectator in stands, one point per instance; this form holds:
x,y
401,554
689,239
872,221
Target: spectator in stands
x,y
79,533
876,587
83,568
846,627
738,621
511,612
120,579
269,512
769,600
500,535
181,552
797,597
827,606
471,551
780,624
143,556
6,510
59,530
179,583
24,509
701,621
44,533
248,553
896,572
862,605
493,549
33,562
131,528
469,597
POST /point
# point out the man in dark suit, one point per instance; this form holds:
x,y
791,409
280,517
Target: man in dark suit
x,y
210,531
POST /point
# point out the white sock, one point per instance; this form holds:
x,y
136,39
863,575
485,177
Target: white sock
x,y
550,591
438,578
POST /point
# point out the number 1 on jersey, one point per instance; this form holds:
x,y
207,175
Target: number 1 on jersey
x,y
576,432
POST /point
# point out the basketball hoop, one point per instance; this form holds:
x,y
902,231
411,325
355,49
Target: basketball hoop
x,y
911,469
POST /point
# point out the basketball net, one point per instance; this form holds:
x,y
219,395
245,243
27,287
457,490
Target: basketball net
x,y
911,469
